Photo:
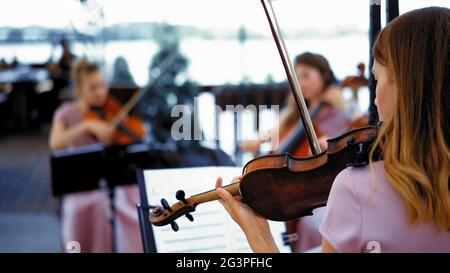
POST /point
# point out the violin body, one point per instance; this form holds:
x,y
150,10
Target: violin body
x,y
283,187
132,124
299,146
130,130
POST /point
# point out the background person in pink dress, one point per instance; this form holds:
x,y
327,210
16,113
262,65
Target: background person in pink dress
x,y
85,215
400,204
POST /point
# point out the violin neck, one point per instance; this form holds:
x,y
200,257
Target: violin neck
x,y
212,195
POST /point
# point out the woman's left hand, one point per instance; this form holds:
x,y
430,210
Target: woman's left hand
x,y
255,227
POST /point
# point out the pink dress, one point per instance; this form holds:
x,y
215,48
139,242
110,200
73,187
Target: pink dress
x,y
366,214
127,221
331,122
86,215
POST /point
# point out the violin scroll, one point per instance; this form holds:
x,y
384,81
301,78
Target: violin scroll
x,y
166,214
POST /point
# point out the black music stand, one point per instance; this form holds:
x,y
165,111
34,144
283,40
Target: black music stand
x,y
85,168
203,158
143,209
118,165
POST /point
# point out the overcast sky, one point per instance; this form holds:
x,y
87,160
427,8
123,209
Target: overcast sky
x,y
292,14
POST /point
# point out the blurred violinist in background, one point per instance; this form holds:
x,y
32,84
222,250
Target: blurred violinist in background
x,y
84,215
322,92
84,121
330,113
69,127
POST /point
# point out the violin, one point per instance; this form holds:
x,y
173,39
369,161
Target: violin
x,y
281,187
128,129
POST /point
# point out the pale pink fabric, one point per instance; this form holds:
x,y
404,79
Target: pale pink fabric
x,y
365,214
330,122
85,219
86,215
70,114
127,221
308,231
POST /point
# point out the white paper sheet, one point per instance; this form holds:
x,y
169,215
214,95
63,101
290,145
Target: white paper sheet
x,y
213,230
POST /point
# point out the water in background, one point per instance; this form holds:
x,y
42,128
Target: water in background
x,y
216,62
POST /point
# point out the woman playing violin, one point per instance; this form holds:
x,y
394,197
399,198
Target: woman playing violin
x,y
319,88
85,215
69,127
402,203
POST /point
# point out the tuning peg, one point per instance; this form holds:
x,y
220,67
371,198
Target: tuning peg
x,y
190,217
181,196
174,226
165,205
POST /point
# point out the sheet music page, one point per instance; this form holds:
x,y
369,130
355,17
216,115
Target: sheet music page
x,y
213,230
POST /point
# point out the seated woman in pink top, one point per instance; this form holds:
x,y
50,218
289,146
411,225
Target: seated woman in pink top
x,y
85,215
400,204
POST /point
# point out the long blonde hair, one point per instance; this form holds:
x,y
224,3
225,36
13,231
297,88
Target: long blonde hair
x,y
415,141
